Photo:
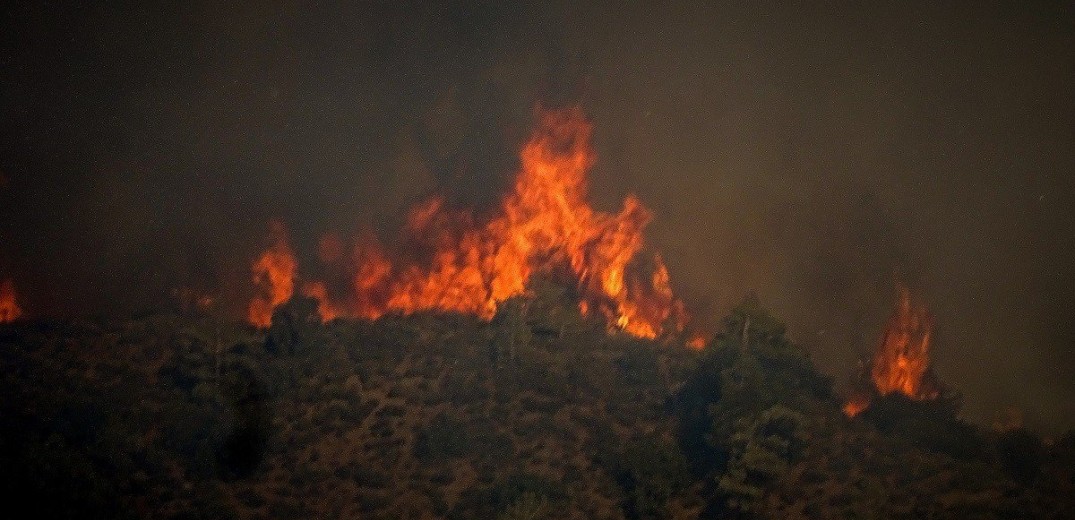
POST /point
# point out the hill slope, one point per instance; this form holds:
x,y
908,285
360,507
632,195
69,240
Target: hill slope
x,y
539,413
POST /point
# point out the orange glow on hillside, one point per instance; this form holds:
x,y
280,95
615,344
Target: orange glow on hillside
x,y
9,308
544,225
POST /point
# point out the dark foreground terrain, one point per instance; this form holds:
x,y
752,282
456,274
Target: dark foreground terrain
x,y
539,414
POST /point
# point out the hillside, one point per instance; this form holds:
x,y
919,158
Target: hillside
x,y
537,414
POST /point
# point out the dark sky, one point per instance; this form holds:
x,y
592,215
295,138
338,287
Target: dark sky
x,y
814,153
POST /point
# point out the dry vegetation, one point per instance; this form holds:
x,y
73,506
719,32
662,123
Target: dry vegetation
x,y
432,416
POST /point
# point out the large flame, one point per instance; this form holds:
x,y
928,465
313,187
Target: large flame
x,y
9,308
274,275
901,363
545,225
902,360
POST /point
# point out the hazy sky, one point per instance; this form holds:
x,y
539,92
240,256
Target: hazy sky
x,y
815,154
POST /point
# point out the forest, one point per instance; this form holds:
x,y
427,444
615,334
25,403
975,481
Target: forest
x,y
539,413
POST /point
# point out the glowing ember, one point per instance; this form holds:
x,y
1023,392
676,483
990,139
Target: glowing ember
x,y
274,275
9,309
545,225
856,405
696,342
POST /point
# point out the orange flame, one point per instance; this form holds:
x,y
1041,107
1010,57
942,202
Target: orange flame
x,y
545,225
9,309
274,276
902,361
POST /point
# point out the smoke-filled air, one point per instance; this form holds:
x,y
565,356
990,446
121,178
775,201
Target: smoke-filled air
x,y
559,259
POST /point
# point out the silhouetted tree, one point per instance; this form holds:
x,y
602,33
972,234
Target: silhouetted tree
x,y
762,448
294,326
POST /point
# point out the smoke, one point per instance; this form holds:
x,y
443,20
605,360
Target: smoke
x,y
814,155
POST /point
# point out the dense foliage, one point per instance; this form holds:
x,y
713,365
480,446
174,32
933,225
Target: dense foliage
x,y
537,414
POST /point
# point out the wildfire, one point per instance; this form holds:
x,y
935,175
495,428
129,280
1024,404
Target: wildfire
x,y
9,309
902,360
901,363
274,275
453,262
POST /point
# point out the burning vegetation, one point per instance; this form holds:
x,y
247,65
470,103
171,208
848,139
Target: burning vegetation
x,y
449,260
274,275
901,363
9,308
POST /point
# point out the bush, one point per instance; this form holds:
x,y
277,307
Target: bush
x,y
929,425
1021,453
529,506
638,366
518,493
444,438
652,472
762,449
